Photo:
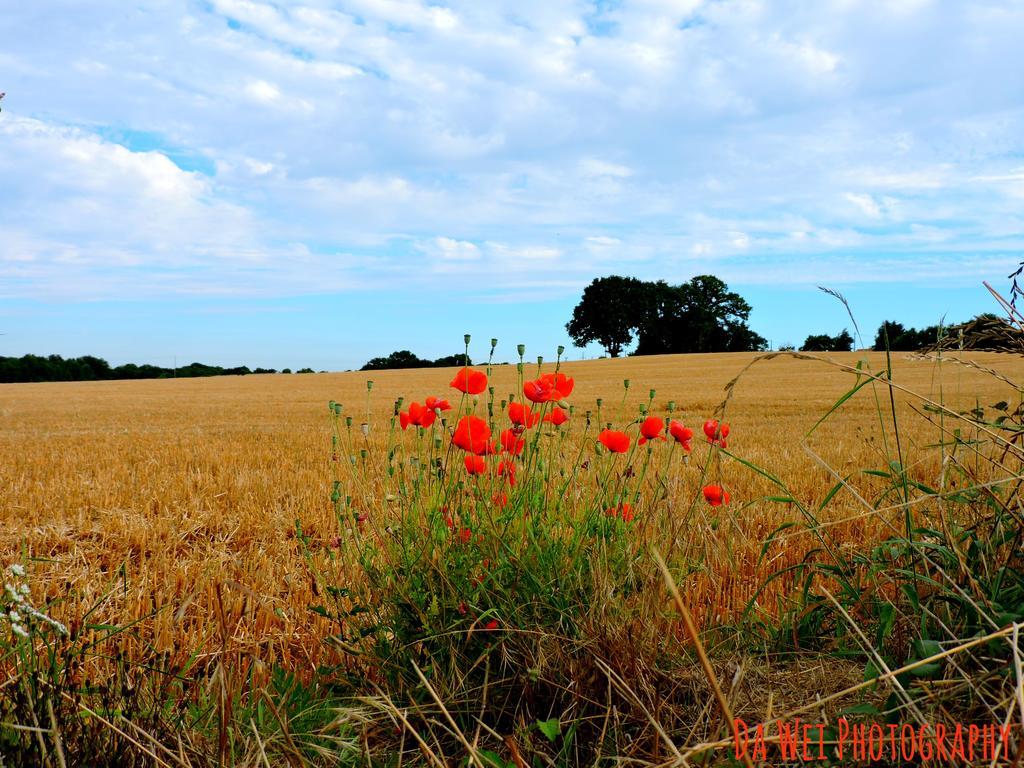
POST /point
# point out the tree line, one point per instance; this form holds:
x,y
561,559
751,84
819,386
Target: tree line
x,y
891,335
36,368
403,358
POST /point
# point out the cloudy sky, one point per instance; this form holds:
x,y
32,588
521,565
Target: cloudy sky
x,y
319,181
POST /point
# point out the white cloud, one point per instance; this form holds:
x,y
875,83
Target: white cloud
x,y
275,147
261,90
450,249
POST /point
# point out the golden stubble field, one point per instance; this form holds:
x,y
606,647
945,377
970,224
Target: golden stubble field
x,y
173,502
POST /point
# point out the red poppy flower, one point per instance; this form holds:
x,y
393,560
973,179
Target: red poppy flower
x,y
507,470
681,434
511,442
437,404
558,416
715,495
473,436
715,431
624,510
417,415
549,387
475,465
500,500
522,415
465,535
491,625
469,381
651,430
614,441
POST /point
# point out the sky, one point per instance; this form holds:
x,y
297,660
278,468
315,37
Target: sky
x,y
317,182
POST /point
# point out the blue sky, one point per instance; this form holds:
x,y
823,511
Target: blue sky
x,y
321,181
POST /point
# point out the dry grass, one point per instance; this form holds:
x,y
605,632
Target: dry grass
x,y
152,498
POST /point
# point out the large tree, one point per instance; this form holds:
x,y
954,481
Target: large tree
x,y
702,315
607,313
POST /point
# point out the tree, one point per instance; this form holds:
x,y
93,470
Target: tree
x,y
888,330
403,358
902,339
842,342
702,315
607,313
452,361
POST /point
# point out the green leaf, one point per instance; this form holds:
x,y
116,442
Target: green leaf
x,y
926,670
887,619
551,728
871,672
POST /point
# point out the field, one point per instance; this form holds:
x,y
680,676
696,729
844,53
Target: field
x,y
196,514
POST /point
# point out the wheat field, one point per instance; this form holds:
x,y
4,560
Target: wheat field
x,y
171,505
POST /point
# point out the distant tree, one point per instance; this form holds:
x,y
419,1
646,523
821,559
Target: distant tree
x,y
842,342
400,359
286,370
702,315
817,343
453,361
902,339
305,370
608,313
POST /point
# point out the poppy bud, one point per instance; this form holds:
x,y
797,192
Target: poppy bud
x,y
600,400
540,359
337,409
652,393
563,404
364,428
348,421
399,401
643,409
625,383
330,406
362,454
494,343
671,406
466,339
561,350
521,349
369,385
